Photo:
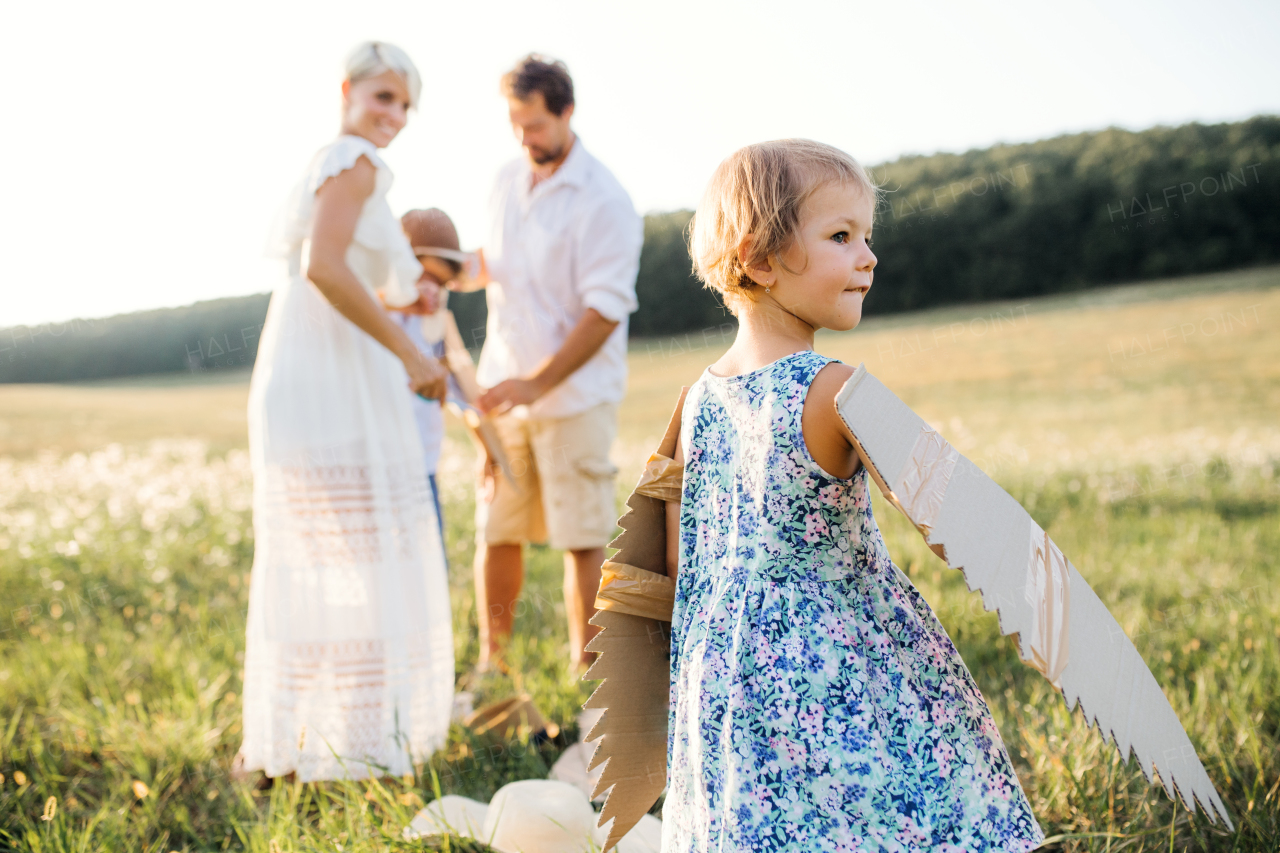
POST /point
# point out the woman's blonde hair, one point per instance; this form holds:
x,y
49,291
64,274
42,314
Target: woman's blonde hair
x,y
371,58
760,191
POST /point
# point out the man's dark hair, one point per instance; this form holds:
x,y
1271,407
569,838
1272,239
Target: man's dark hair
x,y
536,73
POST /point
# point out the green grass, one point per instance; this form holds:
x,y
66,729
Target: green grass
x,y
123,575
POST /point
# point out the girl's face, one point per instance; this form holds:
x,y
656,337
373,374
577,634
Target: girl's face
x,y
375,107
832,257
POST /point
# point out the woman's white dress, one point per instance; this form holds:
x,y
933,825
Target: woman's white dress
x,y
349,652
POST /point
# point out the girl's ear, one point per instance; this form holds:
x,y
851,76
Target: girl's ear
x,y
346,90
761,272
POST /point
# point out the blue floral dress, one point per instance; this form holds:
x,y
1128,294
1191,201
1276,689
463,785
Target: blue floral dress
x,y
817,704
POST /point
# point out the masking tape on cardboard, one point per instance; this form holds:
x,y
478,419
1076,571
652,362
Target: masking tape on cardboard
x,y
627,589
922,484
662,478
1048,591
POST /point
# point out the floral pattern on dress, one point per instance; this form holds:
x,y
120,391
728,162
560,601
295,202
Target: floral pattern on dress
x,y
817,704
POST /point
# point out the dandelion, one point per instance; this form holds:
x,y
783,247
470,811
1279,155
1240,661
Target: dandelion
x,y
50,809
133,697
140,789
19,778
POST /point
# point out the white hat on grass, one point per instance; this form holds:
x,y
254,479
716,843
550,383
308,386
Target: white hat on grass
x,y
540,816
531,816
449,815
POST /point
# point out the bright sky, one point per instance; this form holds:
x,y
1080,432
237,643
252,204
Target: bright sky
x,y
148,146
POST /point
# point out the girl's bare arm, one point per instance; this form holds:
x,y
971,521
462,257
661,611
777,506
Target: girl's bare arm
x,y
825,433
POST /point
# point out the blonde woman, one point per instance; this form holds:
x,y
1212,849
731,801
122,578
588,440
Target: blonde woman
x,y
349,653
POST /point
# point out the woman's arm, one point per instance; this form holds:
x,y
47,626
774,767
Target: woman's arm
x,y
337,209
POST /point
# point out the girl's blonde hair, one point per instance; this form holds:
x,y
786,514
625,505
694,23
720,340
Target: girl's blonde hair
x,y
371,58
759,191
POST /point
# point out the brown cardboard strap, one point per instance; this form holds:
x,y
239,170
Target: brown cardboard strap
x,y
662,478
1048,590
627,589
924,478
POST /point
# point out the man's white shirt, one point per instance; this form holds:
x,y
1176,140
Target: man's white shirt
x,y
556,249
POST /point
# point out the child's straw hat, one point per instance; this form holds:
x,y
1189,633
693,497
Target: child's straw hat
x,y
431,232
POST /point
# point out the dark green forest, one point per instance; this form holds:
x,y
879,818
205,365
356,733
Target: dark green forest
x,y
1011,221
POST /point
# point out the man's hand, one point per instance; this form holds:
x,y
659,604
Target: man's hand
x,y
476,278
509,394
583,341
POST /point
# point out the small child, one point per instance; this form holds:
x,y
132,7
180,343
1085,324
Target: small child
x,y
816,701
434,240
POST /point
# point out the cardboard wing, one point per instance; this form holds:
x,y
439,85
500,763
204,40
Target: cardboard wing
x,y
634,649
1064,629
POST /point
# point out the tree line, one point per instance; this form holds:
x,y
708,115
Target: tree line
x,y
1006,222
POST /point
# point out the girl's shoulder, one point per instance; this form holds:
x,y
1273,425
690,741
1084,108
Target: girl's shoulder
x,y
826,435
827,382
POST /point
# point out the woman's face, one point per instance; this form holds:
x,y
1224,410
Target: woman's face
x,y
375,108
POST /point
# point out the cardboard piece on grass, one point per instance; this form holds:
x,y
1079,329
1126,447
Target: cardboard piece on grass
x,y
633,657
510,719
1064,629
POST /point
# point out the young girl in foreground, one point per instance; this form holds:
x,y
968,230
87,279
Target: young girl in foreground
x,y
816,702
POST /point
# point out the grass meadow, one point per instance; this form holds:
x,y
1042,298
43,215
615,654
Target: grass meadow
x,y
1140,426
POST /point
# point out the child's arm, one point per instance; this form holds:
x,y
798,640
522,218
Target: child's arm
x,y
826,434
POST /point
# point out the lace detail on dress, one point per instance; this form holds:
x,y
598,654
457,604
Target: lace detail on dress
x,y
353,728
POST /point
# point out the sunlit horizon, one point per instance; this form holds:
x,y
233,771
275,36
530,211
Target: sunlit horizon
x,y
151,147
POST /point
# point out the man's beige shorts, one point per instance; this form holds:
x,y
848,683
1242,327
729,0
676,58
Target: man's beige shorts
x,y
564,480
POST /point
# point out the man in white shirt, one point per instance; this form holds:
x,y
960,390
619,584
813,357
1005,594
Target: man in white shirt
x,y
562,257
